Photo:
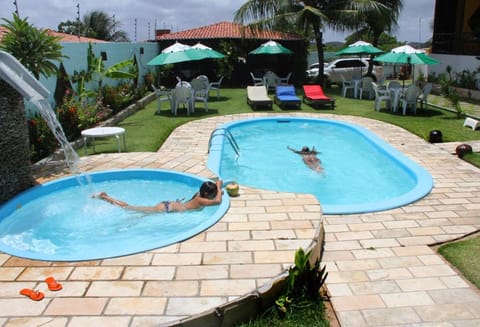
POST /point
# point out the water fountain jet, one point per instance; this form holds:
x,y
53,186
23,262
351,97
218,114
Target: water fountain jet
x,y
21,80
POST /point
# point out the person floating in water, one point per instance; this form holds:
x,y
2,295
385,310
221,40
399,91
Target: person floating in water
x,y
209,194
309,158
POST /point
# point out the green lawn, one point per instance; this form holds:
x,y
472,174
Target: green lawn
x,y
147,131
464,256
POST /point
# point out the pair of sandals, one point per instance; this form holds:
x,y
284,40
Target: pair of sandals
x,y
53,285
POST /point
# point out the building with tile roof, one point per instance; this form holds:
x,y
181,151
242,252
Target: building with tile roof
x,y
243,40
227,30
64,37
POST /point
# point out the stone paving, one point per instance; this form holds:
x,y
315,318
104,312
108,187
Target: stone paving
x,y
382,271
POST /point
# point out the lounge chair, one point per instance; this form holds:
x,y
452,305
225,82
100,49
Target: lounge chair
x,y
285,96
257,97
315,96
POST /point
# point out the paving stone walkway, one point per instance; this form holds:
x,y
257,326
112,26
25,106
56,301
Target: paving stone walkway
x,y
381,270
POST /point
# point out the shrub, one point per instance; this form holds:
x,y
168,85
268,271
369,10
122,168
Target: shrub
x,y
42,140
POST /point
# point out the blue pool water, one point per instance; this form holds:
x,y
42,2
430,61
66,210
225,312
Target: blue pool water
x,y
59,221
362,173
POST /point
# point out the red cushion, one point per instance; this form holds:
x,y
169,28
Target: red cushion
x,y
315,92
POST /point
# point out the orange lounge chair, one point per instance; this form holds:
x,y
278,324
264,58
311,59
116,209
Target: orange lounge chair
x,y
315,96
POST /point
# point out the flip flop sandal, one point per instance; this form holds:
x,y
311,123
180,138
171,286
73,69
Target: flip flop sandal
x,y
53,285
32,294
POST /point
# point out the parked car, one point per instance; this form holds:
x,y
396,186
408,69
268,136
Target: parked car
x,y
312,70
350,68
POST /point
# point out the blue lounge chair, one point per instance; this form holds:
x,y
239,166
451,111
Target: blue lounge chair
x,y
285,96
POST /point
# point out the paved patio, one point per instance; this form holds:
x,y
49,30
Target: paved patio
x,y
381,270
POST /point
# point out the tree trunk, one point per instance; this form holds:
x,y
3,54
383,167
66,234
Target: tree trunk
x,y
15,166
319,42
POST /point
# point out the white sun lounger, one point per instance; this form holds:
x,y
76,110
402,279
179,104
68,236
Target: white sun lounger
x,y
257,97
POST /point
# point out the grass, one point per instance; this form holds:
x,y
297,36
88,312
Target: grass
x,y
461,255
307,316
146,131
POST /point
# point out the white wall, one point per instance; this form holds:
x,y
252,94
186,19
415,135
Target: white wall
x,y
457,62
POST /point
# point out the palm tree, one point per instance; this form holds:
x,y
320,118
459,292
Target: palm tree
x,y
310,16
36,50
375,22
99,25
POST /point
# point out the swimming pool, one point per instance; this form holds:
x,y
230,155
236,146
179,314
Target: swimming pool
x,y
59,221
362,173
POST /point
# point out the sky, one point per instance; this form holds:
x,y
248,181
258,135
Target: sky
x,y
139,18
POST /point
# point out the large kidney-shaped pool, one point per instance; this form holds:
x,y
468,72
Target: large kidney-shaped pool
x,y
60,221
361,172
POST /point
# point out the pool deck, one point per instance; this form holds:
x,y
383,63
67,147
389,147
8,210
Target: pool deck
x,y
382,271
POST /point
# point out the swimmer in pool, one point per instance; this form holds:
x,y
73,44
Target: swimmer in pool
x,y
309,158
209,194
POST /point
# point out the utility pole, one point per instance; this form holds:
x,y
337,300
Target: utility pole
x,y
420,29
16,8
78,20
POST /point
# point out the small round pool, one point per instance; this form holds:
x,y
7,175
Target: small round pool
x,y
60,221
361,172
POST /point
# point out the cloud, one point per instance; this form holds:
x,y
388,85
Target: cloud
x,y
141,17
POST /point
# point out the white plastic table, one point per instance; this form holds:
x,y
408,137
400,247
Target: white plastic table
x,y
104,132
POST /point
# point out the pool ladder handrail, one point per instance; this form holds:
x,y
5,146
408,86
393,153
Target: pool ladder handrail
x,y
229,136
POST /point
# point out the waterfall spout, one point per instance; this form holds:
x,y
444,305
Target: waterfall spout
x,y
15,74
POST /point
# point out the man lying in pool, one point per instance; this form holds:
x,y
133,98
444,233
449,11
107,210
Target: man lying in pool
x,y
209,194
309,158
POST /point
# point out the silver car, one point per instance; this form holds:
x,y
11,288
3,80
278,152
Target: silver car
x,y
350,68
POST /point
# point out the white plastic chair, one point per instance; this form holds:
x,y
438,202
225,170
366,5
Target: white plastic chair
x,y
381,95
216,86
182,94
162,96
257,81
396,90
410,99
284,80
366,87
423,97
271,80
199,93
347,85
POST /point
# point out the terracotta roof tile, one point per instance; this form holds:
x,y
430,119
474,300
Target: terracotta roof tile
x,y
63,36
227,30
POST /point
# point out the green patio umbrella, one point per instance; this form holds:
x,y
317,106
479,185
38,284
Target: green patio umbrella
x,y
407,55
271,47
359,48
179,52
207,52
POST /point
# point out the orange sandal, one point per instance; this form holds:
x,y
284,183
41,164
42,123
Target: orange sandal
x,y
34,295
53,285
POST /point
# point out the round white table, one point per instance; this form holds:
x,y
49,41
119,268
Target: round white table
x,y
104,132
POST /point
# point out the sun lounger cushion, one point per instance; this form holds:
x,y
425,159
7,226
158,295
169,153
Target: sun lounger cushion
x,y
285,96
257,96
315,96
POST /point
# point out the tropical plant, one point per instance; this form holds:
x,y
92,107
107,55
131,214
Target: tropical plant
x,y
449,92
97,72
374,23
34,48
310,16
99,25
303,283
